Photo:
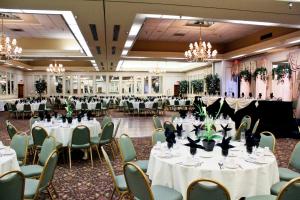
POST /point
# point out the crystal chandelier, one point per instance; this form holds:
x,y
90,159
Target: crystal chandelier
x,y
157,70
8,47
56,68
201,51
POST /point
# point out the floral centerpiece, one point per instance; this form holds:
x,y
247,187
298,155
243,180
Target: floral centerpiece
x,y
69,110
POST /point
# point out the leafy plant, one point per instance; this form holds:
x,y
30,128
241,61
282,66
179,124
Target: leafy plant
x,y
210,133
245,74
197,86
282,71
262,71
183,87
212,84
59,88
69,108
40,86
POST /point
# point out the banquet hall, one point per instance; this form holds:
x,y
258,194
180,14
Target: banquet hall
x,y
150,99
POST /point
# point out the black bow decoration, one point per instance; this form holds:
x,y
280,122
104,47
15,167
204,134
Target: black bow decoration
x,y
179,130
225,146
170,138
196,129
193,145
225,130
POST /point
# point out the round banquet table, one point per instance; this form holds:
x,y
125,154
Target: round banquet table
x,y
91,105
34,106
242,174
189,122
62,132
8,160
136,104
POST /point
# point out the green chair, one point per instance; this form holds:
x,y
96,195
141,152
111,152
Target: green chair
x,y
288,191
247,120
255,126
278,187
139,186
106,119
158,135
80,140
119,181
128,153
11,130
105,138
174,116
154,109
14,110
42,107
286,174
115,143
98,109
19,143
12,186
156,122
267,140
38,135
168,125
33,120
84,106
104,107
34,187
142,108
207,189
27,110
130,108
49,145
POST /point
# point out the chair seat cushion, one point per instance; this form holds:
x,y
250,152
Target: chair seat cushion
x,y
31,170
275,189
95,140
30,188
80,146
143,164
262,197
286,174
163,193
121,183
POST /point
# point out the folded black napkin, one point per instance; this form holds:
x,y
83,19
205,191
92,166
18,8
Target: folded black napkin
x,y
225,129
196,129
251,141
225,146
193,145
41,115
183,113
179,130
170,137
63,118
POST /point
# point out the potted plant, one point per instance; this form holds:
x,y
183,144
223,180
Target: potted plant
x,y
282,71
262,72
212,84
209,135
197,86
69,110
183,87
245,74
40,87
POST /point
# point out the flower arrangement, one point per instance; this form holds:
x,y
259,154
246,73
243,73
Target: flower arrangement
x,y
197,86
282,71
262,72
245,74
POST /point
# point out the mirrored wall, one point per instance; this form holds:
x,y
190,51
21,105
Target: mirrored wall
x,y
7,84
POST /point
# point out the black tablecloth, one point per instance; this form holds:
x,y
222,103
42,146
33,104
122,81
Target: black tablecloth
x,y
275,116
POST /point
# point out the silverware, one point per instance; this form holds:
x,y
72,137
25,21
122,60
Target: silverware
x,y
220,165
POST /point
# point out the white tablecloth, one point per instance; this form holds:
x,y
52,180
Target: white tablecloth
x,y
136,104
181,102
91,105
62,132
246,179
8,160
34,106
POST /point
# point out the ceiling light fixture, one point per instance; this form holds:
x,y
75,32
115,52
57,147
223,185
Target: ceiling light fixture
x,y
295,41
238,56
8,47
201,51
56,68
265,49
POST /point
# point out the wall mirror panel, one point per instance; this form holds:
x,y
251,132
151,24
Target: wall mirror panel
x,y
127,85
86,85
114,84
101,84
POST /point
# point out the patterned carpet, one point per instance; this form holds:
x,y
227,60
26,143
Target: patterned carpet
x,y
85,182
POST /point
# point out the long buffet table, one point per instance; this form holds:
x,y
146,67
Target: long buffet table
x,y
275,116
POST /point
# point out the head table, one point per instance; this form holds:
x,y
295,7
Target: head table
x,y
241,173
62,132
8,160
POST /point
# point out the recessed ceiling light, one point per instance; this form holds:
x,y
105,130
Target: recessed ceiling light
x,y
93,61
124,52
265,49
29,69
294,42
252,23
128,43
134,29
20,67
238,56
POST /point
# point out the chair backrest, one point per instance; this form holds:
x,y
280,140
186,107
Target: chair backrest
x,y
11,130
137,182
13,107
49,145
117,128
126,148
84,106
32,120
294,160
80,135
176,103
47,173
242,127
98,106
255,126
174,116
38,135
41,107
105,120
27,107
130,105
19,143
187,102
168,125
204,189
155,106
291,190
108,131
157,122
267,140
142,105
12,185
247,119
158,135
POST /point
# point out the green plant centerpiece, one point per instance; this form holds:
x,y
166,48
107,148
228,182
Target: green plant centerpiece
x,y
209,136
183,87
245,75
262,72
212,84
40,87
197,86
199,110
69,110
282,71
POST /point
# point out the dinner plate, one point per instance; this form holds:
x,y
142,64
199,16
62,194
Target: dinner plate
x,y
231,166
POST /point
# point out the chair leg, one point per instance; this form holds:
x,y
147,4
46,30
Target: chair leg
x,y
123,195
112,194
70,159
91,153
97,149
112,150
34,156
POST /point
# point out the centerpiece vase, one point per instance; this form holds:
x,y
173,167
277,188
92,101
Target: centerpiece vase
x,y
70,119
208,145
